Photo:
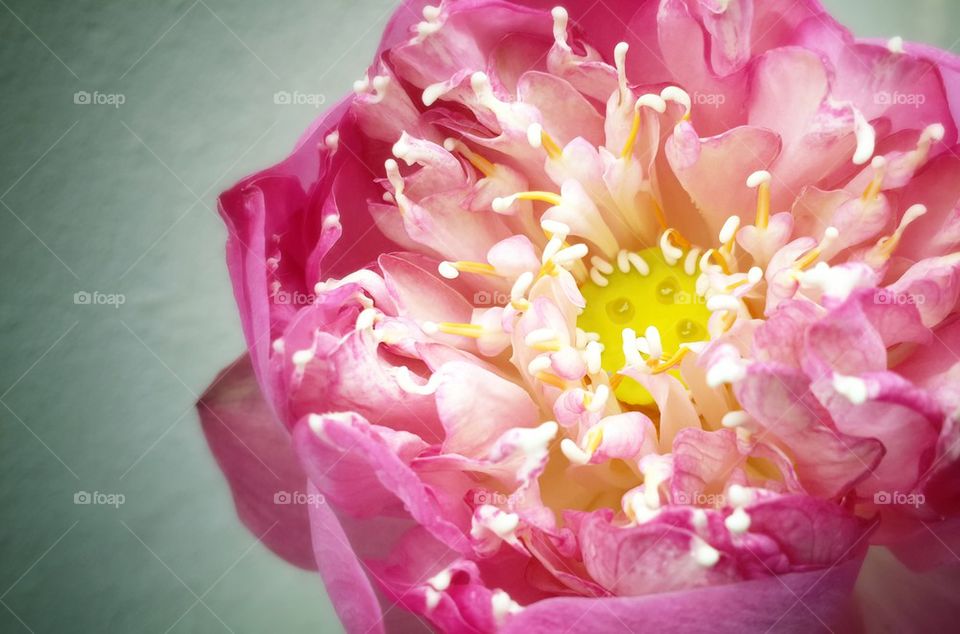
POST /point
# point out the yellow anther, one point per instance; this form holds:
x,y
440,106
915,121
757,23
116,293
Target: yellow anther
x,y
810,257
761,182
551,379
480,268
547,346
551,147
677,238
876,184
662,366
660,216
718,258
483,165
473,331
544,197
594,438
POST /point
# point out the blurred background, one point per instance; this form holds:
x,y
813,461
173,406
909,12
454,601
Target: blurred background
x,y
121,122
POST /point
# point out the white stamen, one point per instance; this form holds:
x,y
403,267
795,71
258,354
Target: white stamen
x,y
430,328
592,354
602,265
361,85
866,138
560,17
620,61
502,204
933,132
535,135
573,452
571,254
302,357
690,262
539,364
332,141
503,525
541,335
671,253
737,522
734,419
754,275
895,45
278,345
433,598
597,277
703,553
366,318
431,13
599,401
623,262
433,92
448,270
555,228
630,353
729,229
652,335
405,381
852,387
503,606
725,371
677,95
739,496
638,263
723,302
440,581
521,286
654,102
758,178
911,214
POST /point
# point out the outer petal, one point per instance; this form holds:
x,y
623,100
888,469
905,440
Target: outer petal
x,y
752,606
256,455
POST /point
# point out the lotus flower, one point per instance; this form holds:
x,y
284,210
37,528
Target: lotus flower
x,y
617,316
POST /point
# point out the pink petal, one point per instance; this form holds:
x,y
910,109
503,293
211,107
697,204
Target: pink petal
x,y
255,453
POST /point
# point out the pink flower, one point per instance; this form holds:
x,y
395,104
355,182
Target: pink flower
x,y
619,316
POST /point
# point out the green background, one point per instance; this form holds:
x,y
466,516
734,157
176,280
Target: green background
x,y
121,201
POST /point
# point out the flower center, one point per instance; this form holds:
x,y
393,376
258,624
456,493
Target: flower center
x,y
641,294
